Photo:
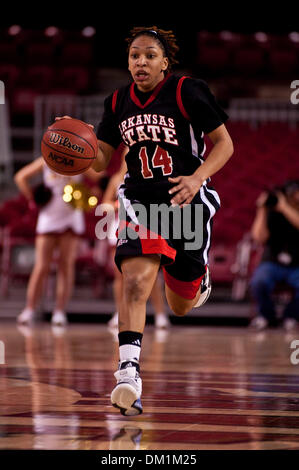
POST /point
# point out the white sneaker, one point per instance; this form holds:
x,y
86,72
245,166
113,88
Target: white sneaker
x,y
59,318
25,330
290,324
206,288
127,392
161,320
26,316
161,335
58,330
113,322
259,323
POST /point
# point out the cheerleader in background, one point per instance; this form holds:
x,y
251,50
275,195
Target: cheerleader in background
x,y
58,228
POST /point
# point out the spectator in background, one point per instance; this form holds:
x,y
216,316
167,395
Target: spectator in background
x,y
58,228
276,226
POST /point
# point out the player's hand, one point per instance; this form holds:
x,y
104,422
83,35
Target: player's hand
x,y
69,117
185,189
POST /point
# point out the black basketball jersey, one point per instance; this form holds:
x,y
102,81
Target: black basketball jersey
x,y
163,130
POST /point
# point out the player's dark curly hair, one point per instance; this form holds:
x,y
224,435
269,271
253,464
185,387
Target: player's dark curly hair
x,y
166,40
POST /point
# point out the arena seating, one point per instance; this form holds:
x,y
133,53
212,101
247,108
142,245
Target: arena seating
x,y
17,231
45,61
263,158
66,60
268,55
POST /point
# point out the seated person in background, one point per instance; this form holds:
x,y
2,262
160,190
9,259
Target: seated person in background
x,y
276,226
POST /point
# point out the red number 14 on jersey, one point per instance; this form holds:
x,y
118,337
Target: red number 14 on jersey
x,y
161,158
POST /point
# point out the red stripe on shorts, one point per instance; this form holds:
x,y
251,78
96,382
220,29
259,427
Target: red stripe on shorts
x,y
186,289
151,243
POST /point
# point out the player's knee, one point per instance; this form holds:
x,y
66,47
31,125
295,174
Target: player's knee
x,y
180,310
134,287
179,306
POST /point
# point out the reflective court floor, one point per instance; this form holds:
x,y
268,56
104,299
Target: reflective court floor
x,y
203,388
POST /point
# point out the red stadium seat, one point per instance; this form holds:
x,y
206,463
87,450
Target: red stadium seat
x,y
283,61
40,53
221,260
213,58
73,77
18,233
9,74
38,77
249,60
23,100
77,53
17,236
9,53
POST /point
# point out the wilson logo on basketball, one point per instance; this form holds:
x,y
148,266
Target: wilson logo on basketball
x,y
65,142
61,160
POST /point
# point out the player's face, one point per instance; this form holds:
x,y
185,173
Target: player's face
x,y
147,62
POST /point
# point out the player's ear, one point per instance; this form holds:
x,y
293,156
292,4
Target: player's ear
x,y
165,64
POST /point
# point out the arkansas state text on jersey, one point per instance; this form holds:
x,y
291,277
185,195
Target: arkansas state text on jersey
x,y
154,127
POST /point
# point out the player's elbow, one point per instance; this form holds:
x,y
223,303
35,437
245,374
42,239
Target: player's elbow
x,y
103,157
99,163
97,166
229,146
226,145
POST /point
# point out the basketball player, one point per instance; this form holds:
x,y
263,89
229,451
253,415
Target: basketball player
x,y
162,119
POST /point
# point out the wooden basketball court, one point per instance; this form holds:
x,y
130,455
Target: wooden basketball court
x,y
203,388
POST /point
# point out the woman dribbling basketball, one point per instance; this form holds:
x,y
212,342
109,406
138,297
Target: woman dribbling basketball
x,y
162,119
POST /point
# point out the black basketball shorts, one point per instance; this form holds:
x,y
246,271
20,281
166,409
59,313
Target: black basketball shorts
x,y
181,237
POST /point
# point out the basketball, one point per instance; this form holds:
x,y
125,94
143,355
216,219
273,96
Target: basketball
x,y
69,146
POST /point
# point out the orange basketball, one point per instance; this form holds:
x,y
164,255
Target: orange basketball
x,y
69,146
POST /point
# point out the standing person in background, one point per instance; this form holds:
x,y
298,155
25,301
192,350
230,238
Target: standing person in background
x,y
59,227
276,226
156,296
